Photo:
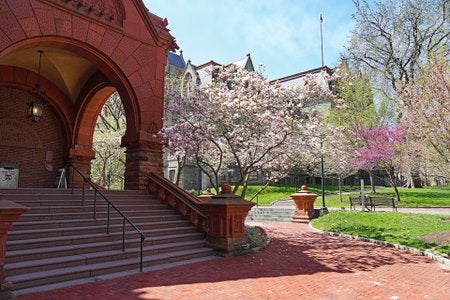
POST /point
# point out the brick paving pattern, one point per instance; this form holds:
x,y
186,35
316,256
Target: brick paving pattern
x,y
299,264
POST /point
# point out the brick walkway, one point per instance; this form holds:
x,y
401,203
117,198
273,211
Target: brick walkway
x,y
299,264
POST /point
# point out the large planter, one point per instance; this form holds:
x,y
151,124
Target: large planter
x,y
226,221
304,202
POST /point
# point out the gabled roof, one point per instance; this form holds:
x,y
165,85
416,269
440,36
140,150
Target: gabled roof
x,y
303,74
176,60
245,63
209,63
157,27
204,73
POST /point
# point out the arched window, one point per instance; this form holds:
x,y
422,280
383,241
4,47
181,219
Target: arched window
x,y
187,83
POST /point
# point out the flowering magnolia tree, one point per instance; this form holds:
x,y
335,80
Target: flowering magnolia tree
x,y
240,120
325,141
339,153
380,148
426,115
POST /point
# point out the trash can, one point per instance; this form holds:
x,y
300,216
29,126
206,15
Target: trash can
x,y
9,176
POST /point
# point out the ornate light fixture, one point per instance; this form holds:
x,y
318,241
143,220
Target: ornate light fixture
x,y
36,106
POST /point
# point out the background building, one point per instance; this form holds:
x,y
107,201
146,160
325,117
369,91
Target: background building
x,y
191,177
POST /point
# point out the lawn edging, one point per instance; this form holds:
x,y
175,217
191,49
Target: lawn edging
x,y
432,256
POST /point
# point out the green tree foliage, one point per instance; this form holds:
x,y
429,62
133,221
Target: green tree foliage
x,y
359,108
109,165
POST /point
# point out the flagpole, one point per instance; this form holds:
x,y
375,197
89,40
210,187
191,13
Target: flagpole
x,y
321,39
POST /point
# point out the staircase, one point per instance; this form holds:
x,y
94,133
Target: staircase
x,y
271,213
58,242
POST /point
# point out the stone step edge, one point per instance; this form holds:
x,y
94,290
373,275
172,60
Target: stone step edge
x,y
98,267
101,254
99,278
77,247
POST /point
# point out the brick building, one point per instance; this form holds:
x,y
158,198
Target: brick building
x,y
79,53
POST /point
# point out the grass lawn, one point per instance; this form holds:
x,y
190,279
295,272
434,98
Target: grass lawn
x,y
282,192
424,197
398,228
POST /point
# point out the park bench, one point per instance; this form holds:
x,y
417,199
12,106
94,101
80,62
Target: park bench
x,y
371,202
356,200
375,201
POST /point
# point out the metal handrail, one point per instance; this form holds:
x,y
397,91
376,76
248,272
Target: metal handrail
x,y
110,204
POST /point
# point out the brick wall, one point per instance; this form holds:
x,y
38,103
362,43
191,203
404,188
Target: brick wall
x,y
37,147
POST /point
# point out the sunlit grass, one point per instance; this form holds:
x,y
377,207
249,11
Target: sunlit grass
x,y
423,197
398,228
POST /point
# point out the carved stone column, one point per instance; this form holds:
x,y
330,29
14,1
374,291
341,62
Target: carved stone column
x,y
9,212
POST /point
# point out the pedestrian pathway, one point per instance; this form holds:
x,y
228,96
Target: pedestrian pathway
x,y
300,263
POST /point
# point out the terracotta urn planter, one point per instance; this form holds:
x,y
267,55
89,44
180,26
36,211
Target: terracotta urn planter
x,y
304,202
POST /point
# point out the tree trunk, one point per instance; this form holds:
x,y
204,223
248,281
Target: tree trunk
x,y
340,188
393,182
409,181
396,192
245,185
372,182
104,163
180,166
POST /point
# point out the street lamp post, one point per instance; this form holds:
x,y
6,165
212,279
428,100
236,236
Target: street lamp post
x,y
322,179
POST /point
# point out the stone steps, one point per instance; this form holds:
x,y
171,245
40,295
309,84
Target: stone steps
x,y
58,242
270,213
97,278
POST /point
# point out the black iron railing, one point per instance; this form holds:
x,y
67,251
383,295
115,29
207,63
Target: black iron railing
x,y
125,219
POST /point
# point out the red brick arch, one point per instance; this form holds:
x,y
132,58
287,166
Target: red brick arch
x,y
80,120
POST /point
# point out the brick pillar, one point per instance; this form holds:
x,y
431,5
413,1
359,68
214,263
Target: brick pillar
x,y
81,158
142,157
304,201
9,212
226,221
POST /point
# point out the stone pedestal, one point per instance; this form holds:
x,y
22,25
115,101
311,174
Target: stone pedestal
x,y
304,202
226,221
9,212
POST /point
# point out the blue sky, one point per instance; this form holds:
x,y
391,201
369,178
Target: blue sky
x,y
282,35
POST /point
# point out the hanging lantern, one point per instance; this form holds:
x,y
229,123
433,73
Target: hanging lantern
x,y
35,110
36,106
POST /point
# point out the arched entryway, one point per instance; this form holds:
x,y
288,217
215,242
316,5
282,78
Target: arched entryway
x,y
78,73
